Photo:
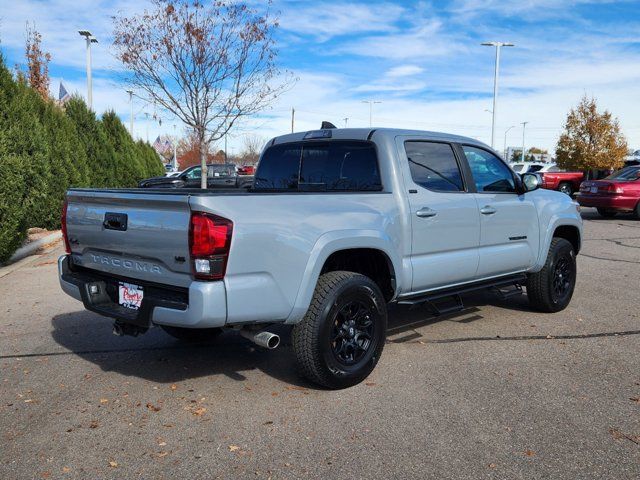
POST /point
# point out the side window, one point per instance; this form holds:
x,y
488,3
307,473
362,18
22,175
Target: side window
x,y
490,174
534,168
434,166
195,173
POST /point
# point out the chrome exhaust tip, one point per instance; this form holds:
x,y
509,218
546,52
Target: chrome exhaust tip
x,y
262,338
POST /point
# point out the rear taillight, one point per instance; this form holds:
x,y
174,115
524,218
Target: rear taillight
x,y
209,243
63,227
611,189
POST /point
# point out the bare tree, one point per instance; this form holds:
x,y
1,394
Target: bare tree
x,y
251,147
209,63
37,63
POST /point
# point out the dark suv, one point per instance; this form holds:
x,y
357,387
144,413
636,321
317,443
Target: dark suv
x,y
218,176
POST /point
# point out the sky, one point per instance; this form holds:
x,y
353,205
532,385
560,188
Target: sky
x,y
422,60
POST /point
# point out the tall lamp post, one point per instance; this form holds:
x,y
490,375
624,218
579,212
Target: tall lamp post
x,y
90,39
371,102
498,46
505,140
524,125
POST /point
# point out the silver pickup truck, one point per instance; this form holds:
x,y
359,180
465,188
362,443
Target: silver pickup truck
x,y
338,224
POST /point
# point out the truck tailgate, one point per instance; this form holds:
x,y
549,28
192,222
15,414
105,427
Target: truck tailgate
x,y
131,234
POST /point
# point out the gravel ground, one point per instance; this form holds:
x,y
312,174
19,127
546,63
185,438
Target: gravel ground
x,y
495,391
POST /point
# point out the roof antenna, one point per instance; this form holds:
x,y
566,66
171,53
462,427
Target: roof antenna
x,y
327,125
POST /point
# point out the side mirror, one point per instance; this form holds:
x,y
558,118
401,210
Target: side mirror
x,y
531,181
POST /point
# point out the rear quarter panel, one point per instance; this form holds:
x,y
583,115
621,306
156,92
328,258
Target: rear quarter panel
x,y
280,242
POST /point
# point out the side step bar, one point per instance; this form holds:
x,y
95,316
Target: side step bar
x,y
434,299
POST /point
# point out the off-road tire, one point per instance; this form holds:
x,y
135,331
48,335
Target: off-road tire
x,y
193,335
636,212
541,290
314,341
606,212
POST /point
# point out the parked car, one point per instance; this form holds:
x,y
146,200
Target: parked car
x,y
553,178
524,167
218,176
339,223
619,192
247,170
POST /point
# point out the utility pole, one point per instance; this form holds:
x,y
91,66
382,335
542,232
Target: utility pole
x,y
370,102
89,39
496,73
130,92
293,118
346,119
524,125
146,114
505,141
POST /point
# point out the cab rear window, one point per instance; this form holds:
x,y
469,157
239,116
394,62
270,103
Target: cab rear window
x,y
319,166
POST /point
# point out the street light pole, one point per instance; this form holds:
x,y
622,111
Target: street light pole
x,y
371,102
498,46
130,92
89,39
524,125
505,141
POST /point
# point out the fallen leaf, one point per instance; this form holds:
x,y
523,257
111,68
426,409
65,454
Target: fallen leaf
x,y
295,387
162,454
233,448
199,411
66,469
94,424
370,384
268,422
46,474
162,444
529,453
173,387
492,465
153,408
635,399
104,400
113,464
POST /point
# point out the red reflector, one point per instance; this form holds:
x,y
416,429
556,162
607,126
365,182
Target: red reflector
x,y
63,227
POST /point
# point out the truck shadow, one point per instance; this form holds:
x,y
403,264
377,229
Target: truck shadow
x,y
158,357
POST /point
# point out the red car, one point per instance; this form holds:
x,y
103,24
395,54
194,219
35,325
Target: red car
x,y
247,170
565,182
619,192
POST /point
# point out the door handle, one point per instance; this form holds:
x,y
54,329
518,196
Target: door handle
x,y
426,212
488,210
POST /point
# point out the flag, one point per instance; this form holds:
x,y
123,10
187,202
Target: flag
x,y
63,95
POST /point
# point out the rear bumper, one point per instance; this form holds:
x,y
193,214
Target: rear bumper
x,y
615,202
202,305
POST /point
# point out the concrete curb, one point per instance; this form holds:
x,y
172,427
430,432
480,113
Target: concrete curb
x,y
32,248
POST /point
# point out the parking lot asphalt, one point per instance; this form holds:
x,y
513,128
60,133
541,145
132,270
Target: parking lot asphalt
x,y
495,391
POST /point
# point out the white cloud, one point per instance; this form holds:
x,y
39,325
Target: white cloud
x,y
404,71
324,20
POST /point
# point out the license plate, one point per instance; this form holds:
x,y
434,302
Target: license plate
x,y
130,295
594,189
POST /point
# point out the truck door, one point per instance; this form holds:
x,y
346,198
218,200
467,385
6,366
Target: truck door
x,y
509,231
445,223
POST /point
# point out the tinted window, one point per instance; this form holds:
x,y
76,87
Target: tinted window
x,y
194,173
490,174
534,168
337,165
434,166
219,169
517,167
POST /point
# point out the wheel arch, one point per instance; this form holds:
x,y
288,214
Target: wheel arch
x,y
370,253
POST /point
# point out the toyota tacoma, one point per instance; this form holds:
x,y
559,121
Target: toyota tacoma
x,y
338,224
